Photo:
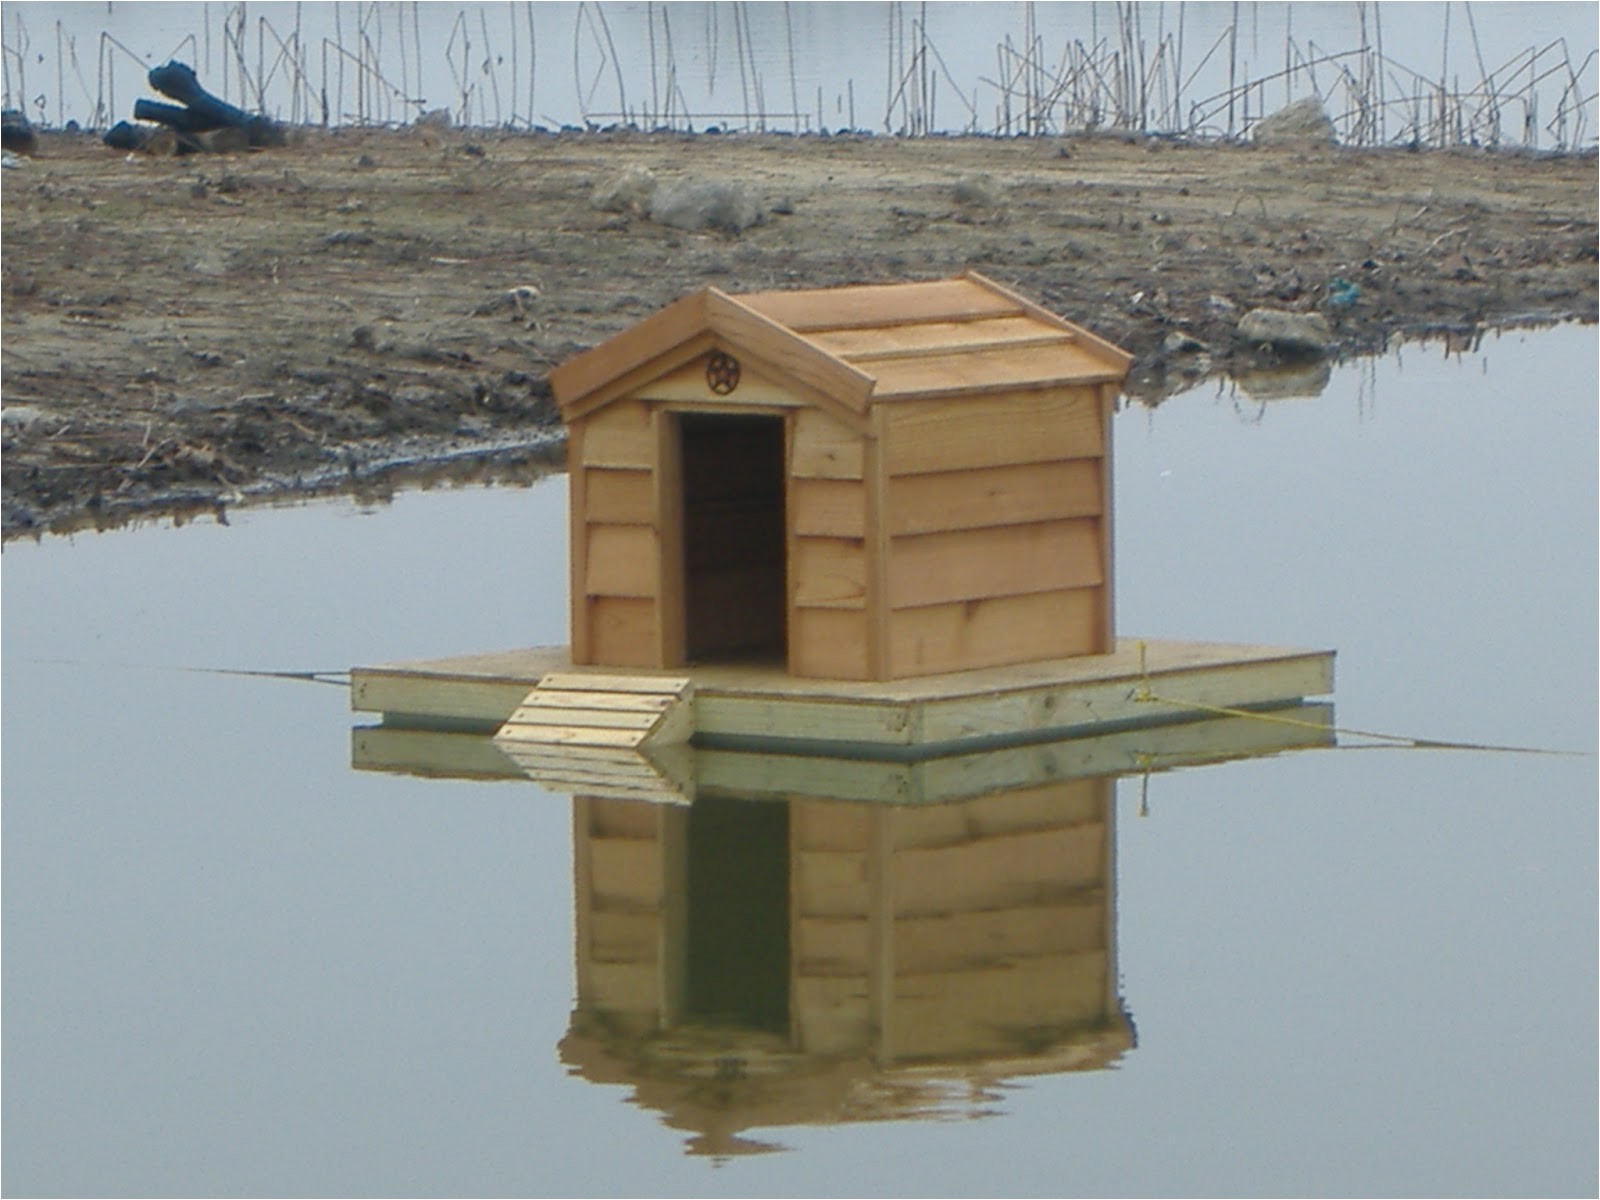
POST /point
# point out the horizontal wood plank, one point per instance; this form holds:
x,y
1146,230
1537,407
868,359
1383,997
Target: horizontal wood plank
x,y
1049,364
832,1014
1058,804
865,344
824,448
536,719
1010,560
998,430
999,1010
621,561
828,508
620,435
586,681
830,644
622,631
985,496
956,941
603,819
625,874
993,632
829,573
831,945
823,826
830,883
619,496
1004,871
880,305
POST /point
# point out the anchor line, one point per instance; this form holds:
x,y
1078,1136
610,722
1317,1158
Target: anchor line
x,y
1396,741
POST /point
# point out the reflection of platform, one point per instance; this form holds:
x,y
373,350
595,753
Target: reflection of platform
x,y
694,770
751,704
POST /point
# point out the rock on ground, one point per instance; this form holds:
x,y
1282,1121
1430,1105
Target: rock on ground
x,y
629,190
1303,122
1290,332
705,204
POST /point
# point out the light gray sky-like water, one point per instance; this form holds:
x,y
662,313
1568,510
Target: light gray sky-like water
x,y
234,966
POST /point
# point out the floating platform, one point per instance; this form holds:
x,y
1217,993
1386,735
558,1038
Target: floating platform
x,y
761,707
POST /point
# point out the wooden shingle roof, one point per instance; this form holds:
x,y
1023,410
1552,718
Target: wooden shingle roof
x,y
855,345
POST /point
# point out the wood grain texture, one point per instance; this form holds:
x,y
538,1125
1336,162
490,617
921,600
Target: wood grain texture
x,y
987,496
828,573
622,632
619,496
873,305
622,561
1009,560
992,632
828,644
621,435
997,430
828,508
824,448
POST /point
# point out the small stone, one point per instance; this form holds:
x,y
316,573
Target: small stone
x,y
1290,332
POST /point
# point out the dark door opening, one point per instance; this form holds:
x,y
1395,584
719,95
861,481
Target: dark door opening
x,y
737,968
735,599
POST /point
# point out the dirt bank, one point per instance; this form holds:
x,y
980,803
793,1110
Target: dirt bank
x,y
183,333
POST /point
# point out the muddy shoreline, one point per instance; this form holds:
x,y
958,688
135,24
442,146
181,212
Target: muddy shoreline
x,y
364,311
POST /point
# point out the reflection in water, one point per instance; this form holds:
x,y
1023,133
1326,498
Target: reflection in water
x,y
749,963
772,940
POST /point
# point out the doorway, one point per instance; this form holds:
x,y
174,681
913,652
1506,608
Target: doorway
x,y
737,945
734,554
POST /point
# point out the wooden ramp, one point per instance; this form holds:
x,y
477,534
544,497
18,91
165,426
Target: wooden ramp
x,y
660,775
605,735
616,712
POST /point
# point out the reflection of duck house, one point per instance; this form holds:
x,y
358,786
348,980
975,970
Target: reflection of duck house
x,y
827,515
745,964
819,940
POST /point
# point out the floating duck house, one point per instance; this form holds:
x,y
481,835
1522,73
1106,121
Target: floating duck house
x,y
863,483
875,515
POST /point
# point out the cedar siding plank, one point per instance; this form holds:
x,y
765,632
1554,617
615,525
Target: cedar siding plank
x,y
622,631
828,643
1009,560
993,632
869,305
622,560
828,508
996,430
620,435
829,573
1053,364
1006,495
620,496
824,448
858,345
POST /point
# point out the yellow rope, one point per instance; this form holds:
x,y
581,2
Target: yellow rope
x,y
1146,695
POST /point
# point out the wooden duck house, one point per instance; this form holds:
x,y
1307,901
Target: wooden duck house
x,y
860,483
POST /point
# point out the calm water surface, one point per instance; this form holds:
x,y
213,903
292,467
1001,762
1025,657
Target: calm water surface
x,y
235,966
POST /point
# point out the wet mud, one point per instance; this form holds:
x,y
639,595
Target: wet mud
x,y
361,311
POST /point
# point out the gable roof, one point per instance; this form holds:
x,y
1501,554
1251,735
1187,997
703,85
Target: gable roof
x,y
855,345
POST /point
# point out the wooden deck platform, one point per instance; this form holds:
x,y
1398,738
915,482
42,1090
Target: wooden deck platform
x,y
1144,683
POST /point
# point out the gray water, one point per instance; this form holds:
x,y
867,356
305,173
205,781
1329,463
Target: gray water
x,y
235,966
